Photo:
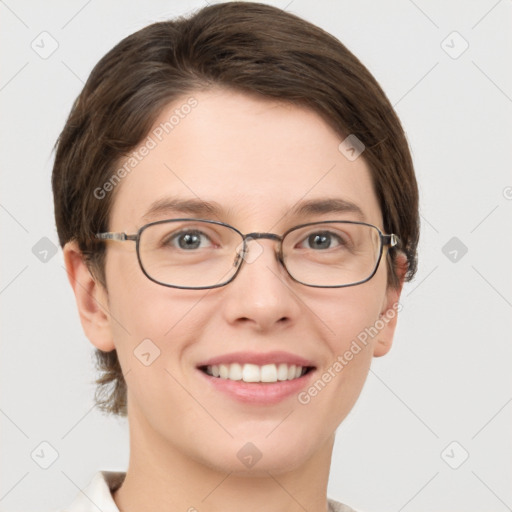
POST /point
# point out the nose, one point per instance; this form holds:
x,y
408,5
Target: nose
x,y
262,294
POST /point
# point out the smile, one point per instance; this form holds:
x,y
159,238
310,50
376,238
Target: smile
x,y
256,373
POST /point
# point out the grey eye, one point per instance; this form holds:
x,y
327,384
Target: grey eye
x,y
323,240
186,239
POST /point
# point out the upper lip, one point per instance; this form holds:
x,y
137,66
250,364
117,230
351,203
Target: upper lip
x,y
257,358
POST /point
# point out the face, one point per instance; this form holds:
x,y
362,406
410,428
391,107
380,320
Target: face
x,y
256,160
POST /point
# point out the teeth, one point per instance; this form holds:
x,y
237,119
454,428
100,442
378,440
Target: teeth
x,y
235,372
223,371
268,373
255,373
251,373
282,372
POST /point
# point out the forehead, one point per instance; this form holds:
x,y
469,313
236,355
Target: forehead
x,y
248,160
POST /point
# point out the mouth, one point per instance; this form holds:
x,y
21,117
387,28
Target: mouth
x,y
267,373
256,378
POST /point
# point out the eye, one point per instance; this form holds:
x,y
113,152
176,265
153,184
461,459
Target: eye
x,y
186,239
324,240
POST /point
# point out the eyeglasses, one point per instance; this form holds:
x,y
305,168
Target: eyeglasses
x,y
201,254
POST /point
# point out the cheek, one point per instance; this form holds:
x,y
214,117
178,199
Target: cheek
x,y
139,306
350,351
153,312
347,322
152,330
351,312
153,326
140,309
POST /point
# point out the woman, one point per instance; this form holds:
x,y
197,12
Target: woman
x,y
238,211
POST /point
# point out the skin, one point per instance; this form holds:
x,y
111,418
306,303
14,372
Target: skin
x,y
242,152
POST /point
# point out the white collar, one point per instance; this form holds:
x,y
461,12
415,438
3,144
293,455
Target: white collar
x,y
98,495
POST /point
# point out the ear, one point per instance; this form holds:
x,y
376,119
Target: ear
x,y
390,308
91,299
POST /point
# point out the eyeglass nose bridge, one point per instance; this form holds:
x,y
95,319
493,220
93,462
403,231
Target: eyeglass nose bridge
x,y
254,236
271,236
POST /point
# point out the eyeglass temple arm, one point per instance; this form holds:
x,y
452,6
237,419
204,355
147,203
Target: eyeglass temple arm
x,y
390,240
121,237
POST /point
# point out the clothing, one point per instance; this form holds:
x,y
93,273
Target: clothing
x,y
98,495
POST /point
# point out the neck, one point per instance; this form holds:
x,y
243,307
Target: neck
x,y
162,478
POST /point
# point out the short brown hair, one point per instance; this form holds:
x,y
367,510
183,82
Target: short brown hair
x,y
249,47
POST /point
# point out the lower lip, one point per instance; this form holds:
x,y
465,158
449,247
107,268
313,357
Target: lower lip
x,y
259,392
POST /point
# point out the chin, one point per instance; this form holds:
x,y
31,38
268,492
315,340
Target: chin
x,y
257,456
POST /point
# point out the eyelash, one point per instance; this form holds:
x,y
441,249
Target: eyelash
x,y
175,236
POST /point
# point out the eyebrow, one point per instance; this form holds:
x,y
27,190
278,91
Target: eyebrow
x,y
200,208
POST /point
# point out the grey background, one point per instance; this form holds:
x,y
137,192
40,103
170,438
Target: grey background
x,y
447,377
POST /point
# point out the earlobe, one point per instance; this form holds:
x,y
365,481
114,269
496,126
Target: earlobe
x,y
389,313
91,299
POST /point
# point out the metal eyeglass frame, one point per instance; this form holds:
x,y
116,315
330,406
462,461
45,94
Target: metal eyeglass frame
x,y
385,241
